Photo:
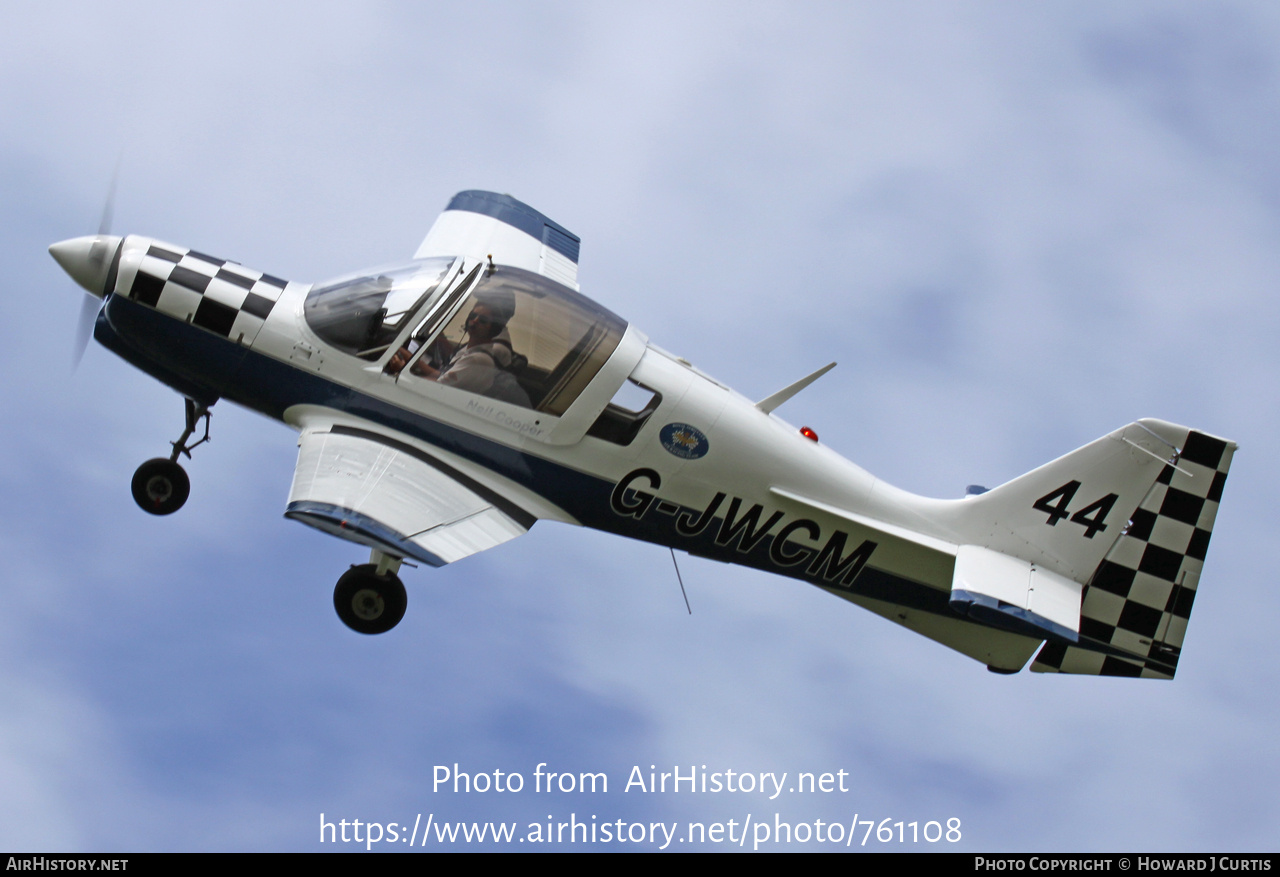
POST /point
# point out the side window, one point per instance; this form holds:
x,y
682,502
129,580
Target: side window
x,y
626,413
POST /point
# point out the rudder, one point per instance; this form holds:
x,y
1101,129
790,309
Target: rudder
x,y
1136,605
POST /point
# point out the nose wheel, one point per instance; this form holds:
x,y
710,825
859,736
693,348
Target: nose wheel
x,y
160,485
368,601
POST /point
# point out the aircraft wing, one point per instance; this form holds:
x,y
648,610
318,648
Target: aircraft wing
x,y
379,491
480,224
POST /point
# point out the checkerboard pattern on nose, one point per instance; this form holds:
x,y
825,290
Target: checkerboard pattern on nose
x,y
214,294
1134,613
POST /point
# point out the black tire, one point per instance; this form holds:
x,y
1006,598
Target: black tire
x,y
367,602
160,486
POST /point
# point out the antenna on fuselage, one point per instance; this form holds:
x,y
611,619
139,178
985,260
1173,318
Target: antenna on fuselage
x,y
680,580
769,403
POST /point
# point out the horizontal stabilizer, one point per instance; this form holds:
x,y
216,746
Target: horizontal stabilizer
x,y
1015,595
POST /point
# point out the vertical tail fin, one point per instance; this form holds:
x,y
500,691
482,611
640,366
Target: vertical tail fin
x,y
1066,515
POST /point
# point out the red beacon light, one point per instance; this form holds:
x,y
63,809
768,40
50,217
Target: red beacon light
x,y
808,433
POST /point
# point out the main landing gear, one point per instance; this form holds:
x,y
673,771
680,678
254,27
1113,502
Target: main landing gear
x,y
370,598
160,485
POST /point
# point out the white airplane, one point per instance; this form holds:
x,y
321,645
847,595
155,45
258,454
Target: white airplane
x,y
447,403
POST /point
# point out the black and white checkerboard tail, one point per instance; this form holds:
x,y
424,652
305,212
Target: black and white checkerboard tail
x,y
1134,612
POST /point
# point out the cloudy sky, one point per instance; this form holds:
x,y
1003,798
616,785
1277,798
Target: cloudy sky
x,y
1016,227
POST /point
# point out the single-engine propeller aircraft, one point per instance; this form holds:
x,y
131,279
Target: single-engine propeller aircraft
x,y
447,403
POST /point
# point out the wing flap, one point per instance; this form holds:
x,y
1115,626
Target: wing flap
x,y
384,493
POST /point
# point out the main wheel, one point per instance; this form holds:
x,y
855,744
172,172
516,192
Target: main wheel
x,y
367,602
160,486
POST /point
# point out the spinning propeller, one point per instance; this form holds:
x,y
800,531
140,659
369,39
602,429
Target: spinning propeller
x,y
92,262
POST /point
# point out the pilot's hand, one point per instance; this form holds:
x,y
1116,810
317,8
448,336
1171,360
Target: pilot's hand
x,y
442,349
398,361
422,369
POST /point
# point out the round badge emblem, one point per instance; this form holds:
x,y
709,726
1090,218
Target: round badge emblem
x,y
684,441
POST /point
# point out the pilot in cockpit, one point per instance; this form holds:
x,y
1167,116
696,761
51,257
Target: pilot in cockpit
x,y
484,363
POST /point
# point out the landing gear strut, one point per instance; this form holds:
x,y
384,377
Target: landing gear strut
x,y
160,485
370,598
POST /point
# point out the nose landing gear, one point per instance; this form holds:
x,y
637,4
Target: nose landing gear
x,y
160,485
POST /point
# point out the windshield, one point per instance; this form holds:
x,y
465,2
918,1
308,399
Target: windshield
x,y
362,313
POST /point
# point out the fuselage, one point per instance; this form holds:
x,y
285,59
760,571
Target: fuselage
x,y
698,467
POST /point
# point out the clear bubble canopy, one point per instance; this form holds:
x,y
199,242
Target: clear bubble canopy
x,y
555,339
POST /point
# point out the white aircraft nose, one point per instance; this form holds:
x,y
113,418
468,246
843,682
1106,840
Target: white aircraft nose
x,y
87,259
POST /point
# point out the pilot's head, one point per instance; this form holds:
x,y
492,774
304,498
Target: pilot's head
x,y
490,314
483,324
